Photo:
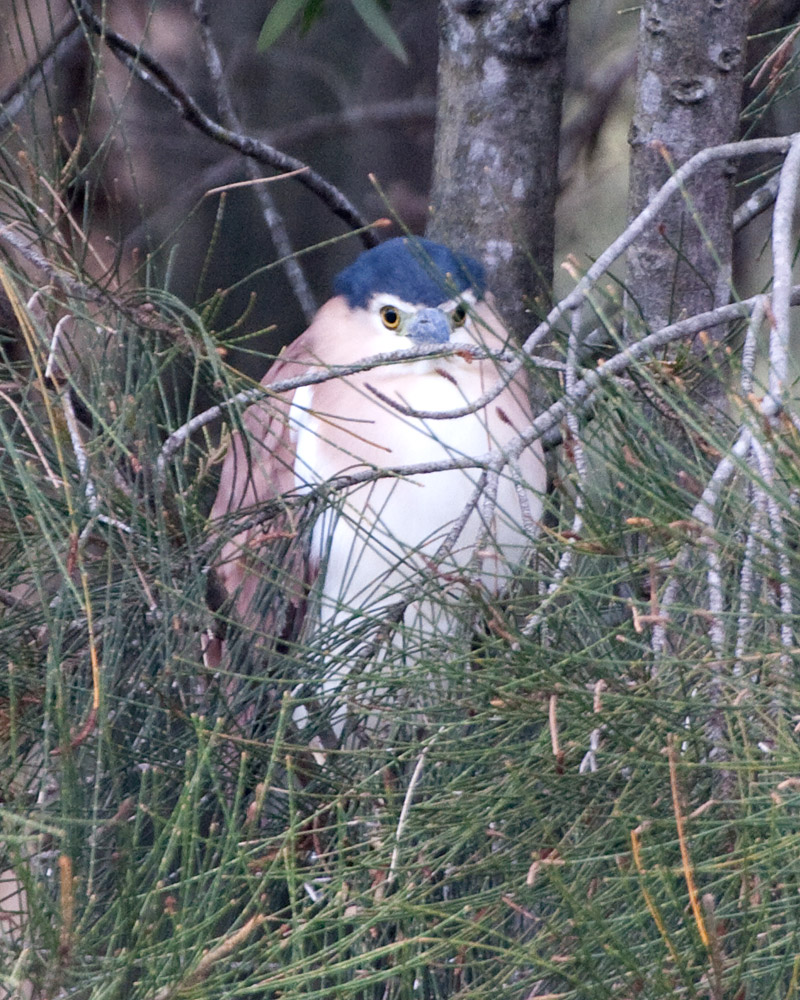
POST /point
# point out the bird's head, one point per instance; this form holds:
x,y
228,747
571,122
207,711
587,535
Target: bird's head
x,y
413,288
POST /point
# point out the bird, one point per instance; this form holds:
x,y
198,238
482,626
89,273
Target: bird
x,y
397,549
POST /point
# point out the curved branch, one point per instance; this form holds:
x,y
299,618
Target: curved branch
x,y
497,459
248,396
619,362
576,298
150,72
730,150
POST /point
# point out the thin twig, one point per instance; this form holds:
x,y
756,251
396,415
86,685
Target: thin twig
x,y
80,452
552,722
579,456
488,509
74,288
704,512
54,479
759,201
272,217
55,342
14,99
154,75
247,396
454,533
747,576
403,819
778,529
464,411
747,580
589,762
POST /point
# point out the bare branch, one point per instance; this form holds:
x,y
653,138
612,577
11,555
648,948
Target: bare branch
x,y
778,528
248,396
751,344
782,253
272,217
730,150
15,97
748,578
151,72
759,201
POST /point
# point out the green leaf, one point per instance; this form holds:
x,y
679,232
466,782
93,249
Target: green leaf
x,y
312,13
371,14
278,20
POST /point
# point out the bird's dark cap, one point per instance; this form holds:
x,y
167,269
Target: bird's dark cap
x,y
414,269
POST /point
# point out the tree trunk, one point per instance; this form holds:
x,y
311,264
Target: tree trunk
x,y
691,60
501,79
688,97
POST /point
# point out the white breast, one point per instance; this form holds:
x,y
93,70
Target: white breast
x,y
387,532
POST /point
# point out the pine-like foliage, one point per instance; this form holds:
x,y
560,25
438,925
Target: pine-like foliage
x,y
587,790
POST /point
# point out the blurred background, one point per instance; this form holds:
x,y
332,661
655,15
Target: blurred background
x,y
333,97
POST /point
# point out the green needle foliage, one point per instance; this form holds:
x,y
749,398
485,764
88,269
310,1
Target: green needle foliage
x,y
167,830
588,788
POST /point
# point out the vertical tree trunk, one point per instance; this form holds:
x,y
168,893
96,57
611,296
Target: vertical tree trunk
x,y
688,97
691,62
501,80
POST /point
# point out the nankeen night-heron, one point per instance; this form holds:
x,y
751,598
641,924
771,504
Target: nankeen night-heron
x,y
411,537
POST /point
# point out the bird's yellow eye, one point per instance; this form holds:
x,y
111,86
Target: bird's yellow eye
x,y
458,316
390,317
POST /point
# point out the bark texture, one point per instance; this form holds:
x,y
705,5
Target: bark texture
x,y
501,79
688,97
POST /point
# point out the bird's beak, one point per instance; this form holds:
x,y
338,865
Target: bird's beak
x,y
429,326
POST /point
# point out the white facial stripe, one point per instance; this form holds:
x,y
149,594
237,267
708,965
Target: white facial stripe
x,y
381,299
377,302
